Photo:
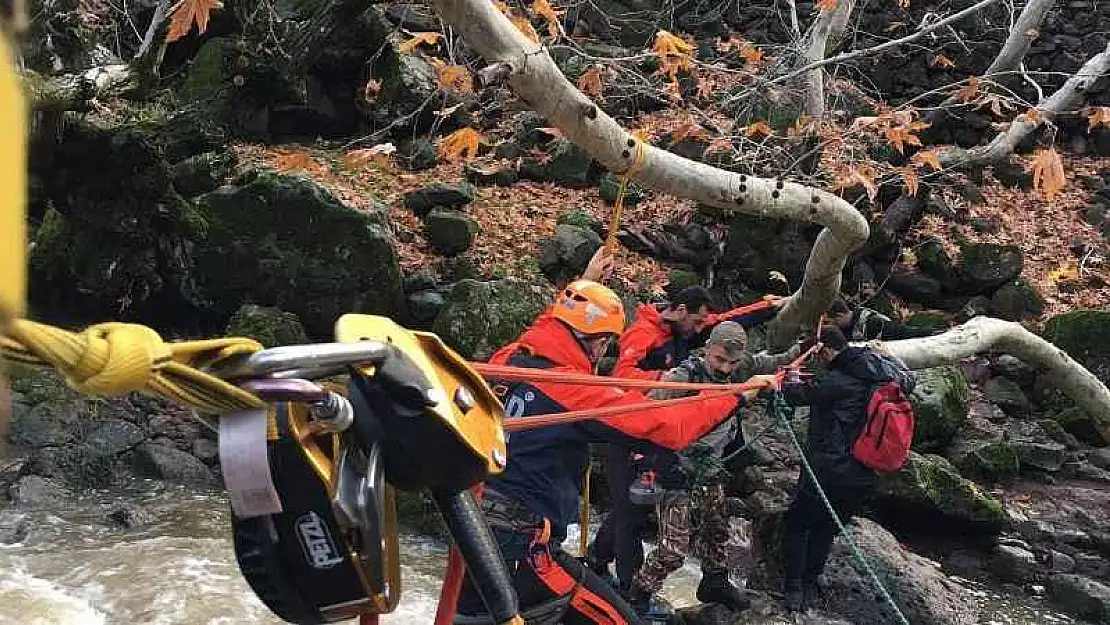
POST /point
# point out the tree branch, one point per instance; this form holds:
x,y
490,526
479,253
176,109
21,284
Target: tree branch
x,y
985,334
74,91
827,29
1066,98
537,80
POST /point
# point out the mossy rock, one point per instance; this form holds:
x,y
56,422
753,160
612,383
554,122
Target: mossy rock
x,y
1091,429
450,232
941,400
479,317
1085,335
996,461
984,267
285,241
203,173
679,279
567,253
440,195
610,187
930,319
1008,396
932,482
566,165
582,219
270,326
206,77
1017,300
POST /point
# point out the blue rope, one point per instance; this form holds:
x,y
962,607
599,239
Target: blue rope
x,y
783,412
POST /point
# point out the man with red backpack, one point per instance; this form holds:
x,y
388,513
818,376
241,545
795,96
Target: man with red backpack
x,y
859,423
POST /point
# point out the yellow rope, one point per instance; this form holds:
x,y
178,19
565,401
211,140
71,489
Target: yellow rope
x,y
584,515
117,358
618,207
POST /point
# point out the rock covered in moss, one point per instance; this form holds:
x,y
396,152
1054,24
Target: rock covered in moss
x,y
479,317
1017,300
565,164
1085,335
450,232
439,195
941,401
931,482
565,255
270,326
983,267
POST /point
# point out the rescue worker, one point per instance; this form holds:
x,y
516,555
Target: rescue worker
x,y
693,512
660,337
863,324
837,401
530,505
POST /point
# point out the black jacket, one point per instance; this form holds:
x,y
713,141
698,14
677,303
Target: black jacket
x,y
838,408
869,324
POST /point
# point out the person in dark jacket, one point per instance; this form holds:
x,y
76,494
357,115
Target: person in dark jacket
x,y
863,324
658,339
838,401
529,505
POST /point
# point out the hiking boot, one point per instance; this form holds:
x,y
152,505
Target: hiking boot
x,y
795,601
653,610
716,588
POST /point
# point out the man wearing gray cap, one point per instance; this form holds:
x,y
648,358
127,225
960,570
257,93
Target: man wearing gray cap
x,y
692,511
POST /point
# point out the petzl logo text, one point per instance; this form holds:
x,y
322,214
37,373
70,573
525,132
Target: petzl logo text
x,y
319,549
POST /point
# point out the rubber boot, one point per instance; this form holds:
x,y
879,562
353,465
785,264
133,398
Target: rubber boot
x,y
716,588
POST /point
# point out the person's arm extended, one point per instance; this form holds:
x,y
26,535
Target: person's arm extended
x,y
635,344
678,374
764,362
820,389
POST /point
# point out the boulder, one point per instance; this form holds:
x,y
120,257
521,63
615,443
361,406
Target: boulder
x,y
285,241
1085,336
1093,430
931,484
84,466
979,448
45,425
113,438
565,255
1017,300
933,260
565,164
485,175
479,317
38,491
914,287
941,401
417,154
424,306
1007,395
172,465
203,172
609,189
1081,597
581,219
207,451
13,527
924,594
439,195
1014,369
449,232
1016,564
756,246
983,267
270,326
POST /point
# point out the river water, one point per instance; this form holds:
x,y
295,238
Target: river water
x,y
73,567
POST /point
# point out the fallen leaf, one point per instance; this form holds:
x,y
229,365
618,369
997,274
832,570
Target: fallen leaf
x,y
759,127
727,45
825,6
688,129
1098,116
187,13
1034,116
1048,173
675,54
453,78
544,9
378,154
970,91
1067,271
909,179
591,82
463,142
299,161
901,136
524,25
942,62
409,45
927,157
751,54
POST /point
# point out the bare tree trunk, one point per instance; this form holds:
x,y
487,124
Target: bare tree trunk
x,y
75,91
985,334
1067,98
537,80
825,33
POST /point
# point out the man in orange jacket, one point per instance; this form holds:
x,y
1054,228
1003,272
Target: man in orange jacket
x,y
658,339
530,505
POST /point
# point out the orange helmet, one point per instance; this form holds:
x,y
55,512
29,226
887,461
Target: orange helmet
x,y
590,308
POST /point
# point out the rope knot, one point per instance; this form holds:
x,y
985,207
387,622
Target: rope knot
x,y
116,358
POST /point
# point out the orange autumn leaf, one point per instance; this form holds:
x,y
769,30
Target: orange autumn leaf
x,y
359,159
409,45
706,88
1034,116
751,54
758,128
461,143
863,174
454,78
825,6
675,54
687,130
970,91
728,45
591,82
909,179
524,25
1048,173
1098,116
551,15
187,13
942,62
1068,271
371,90
298,161
900,137
927,157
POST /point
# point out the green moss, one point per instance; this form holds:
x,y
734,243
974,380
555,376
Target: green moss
x,y
1017,300
941,399
270,326
932,481
582,219
1083,334
928,319
679,279
205,80
479,317
610,188
1091,429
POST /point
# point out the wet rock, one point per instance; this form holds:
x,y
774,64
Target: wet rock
x,y
565,255
424,200
923,593
113,438
1008,396
479,317
1014,564
129,516
449,232
424,306
1081,597
931,483
270,326
38,491
1014,369
1017,300
45,425
983,267
13,527
941,401
82,466
1100,458
207,451
171,465
1084,426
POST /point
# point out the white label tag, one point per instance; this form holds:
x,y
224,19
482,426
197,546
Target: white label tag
x,y
246,464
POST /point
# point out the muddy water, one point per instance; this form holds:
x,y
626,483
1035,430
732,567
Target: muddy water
x,y
72,567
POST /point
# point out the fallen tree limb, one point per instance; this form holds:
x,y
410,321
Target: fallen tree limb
x,y
536,79
1067,98
75,91
982,334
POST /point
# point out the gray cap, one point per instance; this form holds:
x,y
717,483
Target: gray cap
x,y
731,336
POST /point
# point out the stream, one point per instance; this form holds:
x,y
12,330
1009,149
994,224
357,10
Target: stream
x,y
73,567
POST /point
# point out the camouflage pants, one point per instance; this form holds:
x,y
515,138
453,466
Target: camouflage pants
x,y
692,521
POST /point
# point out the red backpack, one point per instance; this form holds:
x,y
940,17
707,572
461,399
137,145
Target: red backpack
x,y
884,442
